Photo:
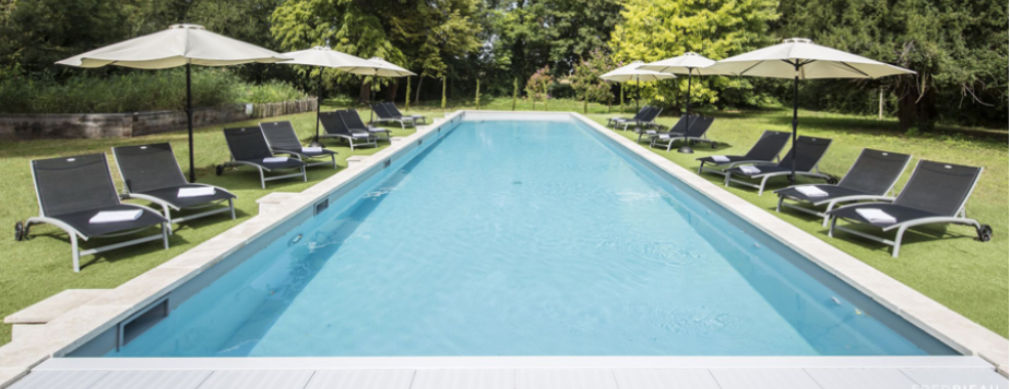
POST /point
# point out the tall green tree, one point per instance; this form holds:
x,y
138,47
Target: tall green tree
x,y
958,49
651,30
587,82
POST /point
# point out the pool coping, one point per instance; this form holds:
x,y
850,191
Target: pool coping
x,y
74,328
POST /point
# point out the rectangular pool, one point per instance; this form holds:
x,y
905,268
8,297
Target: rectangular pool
x,y
523,238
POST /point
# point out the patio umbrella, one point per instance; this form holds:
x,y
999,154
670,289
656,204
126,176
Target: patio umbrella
x,y
324,57
378,67
690,64
631,72
799,58
179,45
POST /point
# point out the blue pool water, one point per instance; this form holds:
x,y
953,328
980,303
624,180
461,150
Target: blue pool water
x,y
526,238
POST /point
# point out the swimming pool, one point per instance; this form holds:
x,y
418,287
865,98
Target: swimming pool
x,y
525,238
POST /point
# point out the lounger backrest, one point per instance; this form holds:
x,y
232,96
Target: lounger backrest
x,y
768,146
875,171
351,120
281,136
940,188
383,111
332,123
809,151
148,167
680,127
67,185
391,108
247,143
699,126
650,114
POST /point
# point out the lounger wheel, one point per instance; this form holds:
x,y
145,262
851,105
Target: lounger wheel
x,y
832,180
20,232
219,169
985,233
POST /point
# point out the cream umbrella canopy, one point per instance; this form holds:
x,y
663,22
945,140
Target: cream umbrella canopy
x,y
378,67
633,72
179,45
324,57
690,64
801,59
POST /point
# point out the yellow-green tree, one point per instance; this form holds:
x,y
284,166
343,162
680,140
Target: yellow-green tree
x,y
651,30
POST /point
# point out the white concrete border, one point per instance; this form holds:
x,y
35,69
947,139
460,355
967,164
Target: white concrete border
x,y
78,326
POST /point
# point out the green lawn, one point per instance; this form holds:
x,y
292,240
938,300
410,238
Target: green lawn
x,y
964,274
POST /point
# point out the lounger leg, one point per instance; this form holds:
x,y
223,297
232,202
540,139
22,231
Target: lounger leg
x,y
700,167
831,230
305,177
778,207
263,180
166,229
168,216
831,205
76,252
726,177
763,181
231,206
333,160
897,241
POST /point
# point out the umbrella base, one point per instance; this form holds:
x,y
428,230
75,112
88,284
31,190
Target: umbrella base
x,y
685,150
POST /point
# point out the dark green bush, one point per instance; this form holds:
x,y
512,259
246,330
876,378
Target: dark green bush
x,y
136,91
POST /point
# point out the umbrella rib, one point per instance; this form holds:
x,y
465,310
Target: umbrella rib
x,y
853,68
749,68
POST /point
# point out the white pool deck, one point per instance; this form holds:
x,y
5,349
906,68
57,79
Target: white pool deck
x,y
518,373
33,359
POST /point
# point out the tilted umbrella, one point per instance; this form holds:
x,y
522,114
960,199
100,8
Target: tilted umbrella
x,y
324,57
799,58
688,63
378,67
631,72
179,45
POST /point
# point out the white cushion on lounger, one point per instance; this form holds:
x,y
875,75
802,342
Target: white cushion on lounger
x,y
875,215
360,135
312,149
116,216
750,169
196,192
811,191
720,158
275,159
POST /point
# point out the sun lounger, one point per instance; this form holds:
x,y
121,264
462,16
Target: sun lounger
x,y
391,108
353,123
282,139
615,121
384,115
809,151
334,127
870,178
76,194
766,150
249,147
151,173
936,193
645,119
697,126
649,133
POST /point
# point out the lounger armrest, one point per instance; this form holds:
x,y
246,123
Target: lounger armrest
x,y
878,199
156,200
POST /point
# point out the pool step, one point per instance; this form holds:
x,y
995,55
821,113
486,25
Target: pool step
x,y
29,320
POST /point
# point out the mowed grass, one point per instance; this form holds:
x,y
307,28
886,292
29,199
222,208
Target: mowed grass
x,y
957,270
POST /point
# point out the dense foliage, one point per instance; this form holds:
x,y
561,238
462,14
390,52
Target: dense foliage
x,y
137,91
958,49
587,82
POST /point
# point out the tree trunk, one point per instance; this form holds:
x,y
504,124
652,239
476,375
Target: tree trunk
x,y
363,92
417,95
444,82
391,90
406,96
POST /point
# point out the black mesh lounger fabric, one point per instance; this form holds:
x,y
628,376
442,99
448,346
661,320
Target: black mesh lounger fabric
x,y
638,116
809,151
396,111
149,167
73,189
900,213
937,187
247,144
153,170
766,149
833,192
281,136
873,173
332,124
353,122
383,111
678,128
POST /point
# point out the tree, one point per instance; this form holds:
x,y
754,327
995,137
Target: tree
x,y
961,66
345,25
538,84
587,82
651,30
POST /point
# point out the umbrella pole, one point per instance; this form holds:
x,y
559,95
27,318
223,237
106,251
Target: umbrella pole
x,y
796,122
319,102
189,123
686,149
638,91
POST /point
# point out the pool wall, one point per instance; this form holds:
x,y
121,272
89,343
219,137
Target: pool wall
x,y
97,324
